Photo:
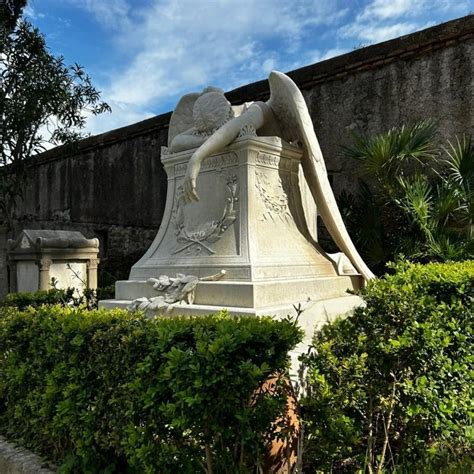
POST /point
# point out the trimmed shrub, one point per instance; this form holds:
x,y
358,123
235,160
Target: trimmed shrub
x,y
392,386
109,391
57,296
23,300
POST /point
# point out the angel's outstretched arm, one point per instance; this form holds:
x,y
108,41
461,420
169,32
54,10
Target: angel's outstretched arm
x,y
222,137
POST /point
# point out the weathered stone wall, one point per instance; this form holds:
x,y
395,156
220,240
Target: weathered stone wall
x,y
429,74
113,185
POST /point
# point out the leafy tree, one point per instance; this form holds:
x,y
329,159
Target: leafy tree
x,y
41,101
414,200
10,10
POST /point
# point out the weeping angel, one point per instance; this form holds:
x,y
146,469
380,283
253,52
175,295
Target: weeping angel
x,y
216,124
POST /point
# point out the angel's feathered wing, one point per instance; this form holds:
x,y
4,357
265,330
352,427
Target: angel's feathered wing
x,y
289,107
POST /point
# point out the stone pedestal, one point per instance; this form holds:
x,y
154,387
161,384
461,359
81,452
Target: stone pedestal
x,y
250,222
249,219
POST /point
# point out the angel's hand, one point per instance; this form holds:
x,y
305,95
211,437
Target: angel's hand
x,y
192,172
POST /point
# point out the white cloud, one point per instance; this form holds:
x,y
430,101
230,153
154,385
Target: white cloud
x,y
189,43
376,33
111,13
123,114
333,52
177,46
269,65
390,9
381,20
455,7
31,13
316,56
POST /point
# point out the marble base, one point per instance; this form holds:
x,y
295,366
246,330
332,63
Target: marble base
x,y
250,295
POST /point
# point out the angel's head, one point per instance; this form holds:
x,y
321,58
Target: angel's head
x,y
211,110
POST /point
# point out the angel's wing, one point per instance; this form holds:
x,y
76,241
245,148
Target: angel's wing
x,y
182,117
289,107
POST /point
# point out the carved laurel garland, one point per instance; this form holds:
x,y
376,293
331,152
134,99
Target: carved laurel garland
x,y
276,203
208,232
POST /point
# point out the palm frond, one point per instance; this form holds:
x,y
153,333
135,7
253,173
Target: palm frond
x,y
414,205
417,141
460,162
416,202
464,213
447,202
374,152
443,248
384,155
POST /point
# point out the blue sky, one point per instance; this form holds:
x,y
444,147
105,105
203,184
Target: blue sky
x,y
144,54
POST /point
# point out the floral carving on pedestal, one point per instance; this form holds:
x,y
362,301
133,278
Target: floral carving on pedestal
x,y
194,241
273,197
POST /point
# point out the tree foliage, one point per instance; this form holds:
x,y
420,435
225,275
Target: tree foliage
x,y
41,101
10,10
415,200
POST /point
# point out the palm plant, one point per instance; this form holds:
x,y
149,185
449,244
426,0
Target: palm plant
x,y
460,174
413,200
394,152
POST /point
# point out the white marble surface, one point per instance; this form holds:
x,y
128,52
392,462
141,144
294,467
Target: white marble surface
x,y
69,275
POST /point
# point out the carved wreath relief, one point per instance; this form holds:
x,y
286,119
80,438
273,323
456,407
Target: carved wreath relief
x,y
274,195
194,241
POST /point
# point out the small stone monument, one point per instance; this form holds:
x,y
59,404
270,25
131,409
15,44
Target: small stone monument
x,y
38,257
247,242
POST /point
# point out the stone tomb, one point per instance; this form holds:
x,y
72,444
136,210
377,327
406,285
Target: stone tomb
x,y
37,257
249,222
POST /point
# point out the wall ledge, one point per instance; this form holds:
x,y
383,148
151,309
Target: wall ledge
x,y
17,460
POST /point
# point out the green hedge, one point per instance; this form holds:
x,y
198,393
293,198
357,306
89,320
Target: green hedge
x,y
392,386
109,391
23,300
56,296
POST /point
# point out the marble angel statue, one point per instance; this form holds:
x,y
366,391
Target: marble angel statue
x,y
215,124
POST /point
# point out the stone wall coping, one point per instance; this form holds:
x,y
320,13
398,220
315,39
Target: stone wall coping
x,y
377,55
15,459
